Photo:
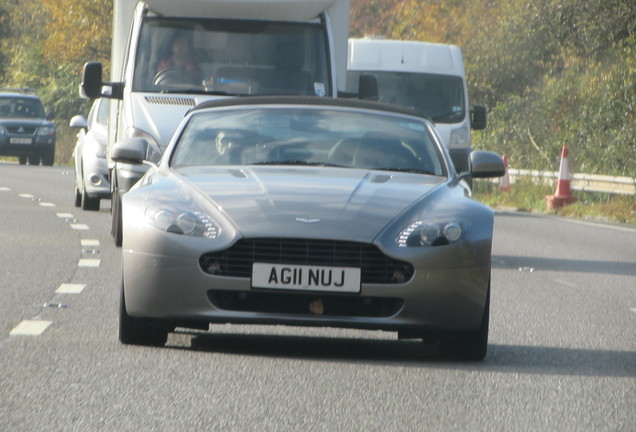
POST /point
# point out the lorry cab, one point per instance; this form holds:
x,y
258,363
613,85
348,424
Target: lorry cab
x,y
168,56
427,76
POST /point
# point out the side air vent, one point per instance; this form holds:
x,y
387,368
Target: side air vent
x,y
382,178
170,100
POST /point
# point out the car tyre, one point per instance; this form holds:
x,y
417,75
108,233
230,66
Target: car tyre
x,y
34,159
116,229
48,157
89,203
471,345
78,197
22,159
138,331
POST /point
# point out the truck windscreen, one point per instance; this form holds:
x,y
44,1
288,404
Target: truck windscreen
x,y
234,57
439,97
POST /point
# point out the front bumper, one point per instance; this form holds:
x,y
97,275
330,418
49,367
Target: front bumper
x,y
176,290
96,178
30,144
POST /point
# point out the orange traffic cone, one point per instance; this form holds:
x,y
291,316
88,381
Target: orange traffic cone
x,y
504,182
563,194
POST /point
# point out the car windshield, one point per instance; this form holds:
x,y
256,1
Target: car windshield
x,y
317,136
439,97
17,107
231,57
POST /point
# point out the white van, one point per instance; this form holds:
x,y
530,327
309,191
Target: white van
x,y
427,76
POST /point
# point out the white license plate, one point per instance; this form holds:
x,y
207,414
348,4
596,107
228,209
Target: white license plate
x,y
21,141
306,278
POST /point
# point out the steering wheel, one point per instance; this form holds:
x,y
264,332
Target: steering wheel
x,y
173,75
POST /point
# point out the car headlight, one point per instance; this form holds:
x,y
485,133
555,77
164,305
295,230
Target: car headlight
x,y
459,137
46,131
98,148
177,221
432,233
3,131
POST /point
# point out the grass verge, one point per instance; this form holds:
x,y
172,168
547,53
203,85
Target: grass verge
x,y
525,195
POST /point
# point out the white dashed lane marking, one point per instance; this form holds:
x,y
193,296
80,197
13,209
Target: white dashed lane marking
x,y
88,262
30,328
70,288
90,243
36,327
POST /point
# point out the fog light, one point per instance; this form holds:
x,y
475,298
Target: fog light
x,y
95,179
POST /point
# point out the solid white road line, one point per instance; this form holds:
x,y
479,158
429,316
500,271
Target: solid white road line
x,y
30,328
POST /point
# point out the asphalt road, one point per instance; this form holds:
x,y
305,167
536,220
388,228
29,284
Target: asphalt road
x,y
562,352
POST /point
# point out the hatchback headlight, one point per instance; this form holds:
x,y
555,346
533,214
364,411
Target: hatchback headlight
x,y
177,221
432,233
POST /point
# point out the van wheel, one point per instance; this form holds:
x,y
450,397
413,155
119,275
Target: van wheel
x,y
116,227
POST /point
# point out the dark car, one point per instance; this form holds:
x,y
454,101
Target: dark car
x,y
25,129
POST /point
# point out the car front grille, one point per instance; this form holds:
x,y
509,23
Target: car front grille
x,y
21,130
376,267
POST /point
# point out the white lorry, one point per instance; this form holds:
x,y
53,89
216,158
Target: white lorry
x,y
168,56
427,76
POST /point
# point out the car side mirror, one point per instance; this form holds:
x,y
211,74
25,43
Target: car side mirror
x,y
478,117
485,164
78,122
93,87
130,150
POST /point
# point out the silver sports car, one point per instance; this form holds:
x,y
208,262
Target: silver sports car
x,y
307,212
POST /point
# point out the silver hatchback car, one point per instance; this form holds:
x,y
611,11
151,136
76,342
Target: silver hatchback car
x,y
307,212
91,167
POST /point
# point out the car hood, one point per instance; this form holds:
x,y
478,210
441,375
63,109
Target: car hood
x,y
24,121
311,202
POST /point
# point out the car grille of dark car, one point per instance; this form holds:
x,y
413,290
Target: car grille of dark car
x,y
21,130
376,267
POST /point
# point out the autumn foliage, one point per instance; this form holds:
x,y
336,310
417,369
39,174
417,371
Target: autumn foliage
x,y
551,72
